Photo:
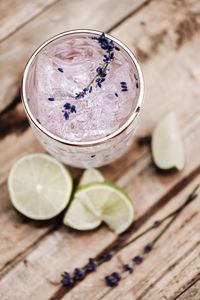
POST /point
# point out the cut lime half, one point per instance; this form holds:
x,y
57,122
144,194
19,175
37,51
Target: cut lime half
x,y
39,186
167,147
100,202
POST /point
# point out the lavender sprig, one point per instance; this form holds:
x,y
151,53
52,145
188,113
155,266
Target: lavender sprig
x,y
113,279
101,71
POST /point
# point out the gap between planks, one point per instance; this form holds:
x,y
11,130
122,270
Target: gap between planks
x,y
130,15
29,20
141,4
163,274
188,289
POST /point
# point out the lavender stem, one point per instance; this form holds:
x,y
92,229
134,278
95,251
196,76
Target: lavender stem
x,y
177,211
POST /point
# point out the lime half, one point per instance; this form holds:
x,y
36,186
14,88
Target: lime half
x,y
40,187
167,147
91,175
97,202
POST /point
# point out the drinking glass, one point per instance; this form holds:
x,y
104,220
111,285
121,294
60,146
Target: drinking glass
x,y
94,153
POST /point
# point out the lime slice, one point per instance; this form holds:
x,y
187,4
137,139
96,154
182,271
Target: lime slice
x,y
167,148
91,175
101,202
40,187
78,216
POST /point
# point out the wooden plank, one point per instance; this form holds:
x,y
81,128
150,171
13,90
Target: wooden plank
x,y
14,14
141,172
160,270
57,247
173,262
65,15
19,232
192,293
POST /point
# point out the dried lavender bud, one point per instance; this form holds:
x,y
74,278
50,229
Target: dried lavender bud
x,y
135,76
148,248
99,70
110,282
116,275
66,115
67,105
78,274
60,70
107,256
73,109
128,267
92,265
67,279
156,224
138,259
113,279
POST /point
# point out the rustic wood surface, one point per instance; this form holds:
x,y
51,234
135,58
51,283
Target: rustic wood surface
x,y
164,35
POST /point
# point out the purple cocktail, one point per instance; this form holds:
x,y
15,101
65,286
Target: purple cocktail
x,y
82,92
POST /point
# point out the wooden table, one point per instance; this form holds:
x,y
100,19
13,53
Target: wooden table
x,y
164,35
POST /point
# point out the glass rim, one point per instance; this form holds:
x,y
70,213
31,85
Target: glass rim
x,y
105,139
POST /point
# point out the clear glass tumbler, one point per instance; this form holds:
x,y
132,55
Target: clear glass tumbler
x,y
94,153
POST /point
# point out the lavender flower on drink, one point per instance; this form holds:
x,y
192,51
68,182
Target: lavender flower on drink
x,y
101,73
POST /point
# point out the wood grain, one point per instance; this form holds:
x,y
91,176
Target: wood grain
x,y
33,255
192,293
22,11
62,16
159,276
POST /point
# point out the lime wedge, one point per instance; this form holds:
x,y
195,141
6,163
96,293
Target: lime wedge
x,y
78,216
39,186
91,175
167,148
100,202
